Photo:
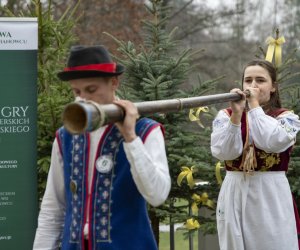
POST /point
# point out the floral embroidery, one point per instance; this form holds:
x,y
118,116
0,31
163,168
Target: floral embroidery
x,y
77,175
218,123
288,125
230,165
77,146
269,160
104,184
76,171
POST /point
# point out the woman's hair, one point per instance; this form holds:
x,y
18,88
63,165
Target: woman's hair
x,y
274,101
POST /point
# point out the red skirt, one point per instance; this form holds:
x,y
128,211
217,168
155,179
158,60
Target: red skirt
x,y
297,221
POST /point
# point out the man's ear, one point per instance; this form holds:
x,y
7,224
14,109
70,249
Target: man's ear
x,y
115,82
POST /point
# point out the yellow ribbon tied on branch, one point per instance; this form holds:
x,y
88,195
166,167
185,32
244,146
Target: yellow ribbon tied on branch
x,y
203,199
192,224
194,114
188,173
218,173
274,46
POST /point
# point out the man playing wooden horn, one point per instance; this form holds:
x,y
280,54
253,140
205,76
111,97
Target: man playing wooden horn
x,y
99,182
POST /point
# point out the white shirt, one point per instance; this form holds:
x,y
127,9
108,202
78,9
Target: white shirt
x,y
273,135
148,166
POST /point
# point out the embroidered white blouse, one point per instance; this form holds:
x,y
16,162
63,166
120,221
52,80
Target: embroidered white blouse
x,y
273,135
149,168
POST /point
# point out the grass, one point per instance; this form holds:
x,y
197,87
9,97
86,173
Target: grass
x,y
181,237
181,241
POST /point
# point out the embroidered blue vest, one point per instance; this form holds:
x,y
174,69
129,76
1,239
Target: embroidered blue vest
x,y
118,217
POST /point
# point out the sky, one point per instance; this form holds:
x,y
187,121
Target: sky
x,y
268,17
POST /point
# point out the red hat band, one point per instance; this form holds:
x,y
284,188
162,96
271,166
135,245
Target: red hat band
x,y
104,67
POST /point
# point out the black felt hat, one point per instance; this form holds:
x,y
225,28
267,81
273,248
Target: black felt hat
x,y
90,61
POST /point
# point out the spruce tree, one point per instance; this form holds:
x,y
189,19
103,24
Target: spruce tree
x,y
156,70
55,38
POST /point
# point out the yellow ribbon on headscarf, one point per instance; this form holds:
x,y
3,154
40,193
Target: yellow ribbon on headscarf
x,y
203,199
218,173
192,224
188,173
194,114
274,46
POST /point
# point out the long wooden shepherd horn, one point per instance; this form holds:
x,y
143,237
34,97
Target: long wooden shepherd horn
x,y
82,116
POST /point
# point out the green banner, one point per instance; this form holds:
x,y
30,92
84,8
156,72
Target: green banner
x,y
18,132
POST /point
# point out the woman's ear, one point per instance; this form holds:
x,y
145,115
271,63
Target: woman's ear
x,y
275,86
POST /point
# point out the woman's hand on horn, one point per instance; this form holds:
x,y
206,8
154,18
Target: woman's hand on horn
x,y
237,106
253,98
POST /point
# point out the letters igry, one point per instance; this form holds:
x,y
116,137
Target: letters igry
x,y
13,112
